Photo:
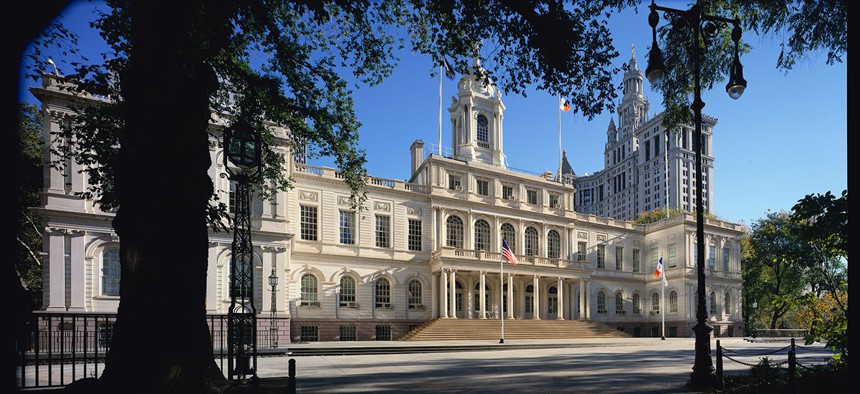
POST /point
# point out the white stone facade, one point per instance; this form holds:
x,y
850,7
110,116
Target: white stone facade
x,y
419,250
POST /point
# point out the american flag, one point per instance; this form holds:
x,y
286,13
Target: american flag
x,y
507,253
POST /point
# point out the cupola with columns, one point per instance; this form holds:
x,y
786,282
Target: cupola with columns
x,y
477,113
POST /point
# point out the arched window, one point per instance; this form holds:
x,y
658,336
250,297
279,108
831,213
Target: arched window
x,y
510,235
483,132
309,295
637,309
455,232
383,293
601,302
655,302
673,302
347,291
530,296
552,300
727,304
531,239
413,295
482,235
553,244
477,297
713,305
619,303
110,271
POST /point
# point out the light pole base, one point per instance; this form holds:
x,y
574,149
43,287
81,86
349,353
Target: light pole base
x,y
501,340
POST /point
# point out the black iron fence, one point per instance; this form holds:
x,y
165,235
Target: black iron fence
x,y
55,349
788,364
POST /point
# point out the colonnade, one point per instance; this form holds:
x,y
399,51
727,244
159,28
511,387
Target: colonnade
x,y
523,294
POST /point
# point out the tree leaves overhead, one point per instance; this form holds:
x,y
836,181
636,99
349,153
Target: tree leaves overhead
x,y
803,27
564,48
283,64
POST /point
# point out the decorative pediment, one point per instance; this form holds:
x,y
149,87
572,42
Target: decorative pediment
x,y
382,206
601,237
582,235
413,211
343,200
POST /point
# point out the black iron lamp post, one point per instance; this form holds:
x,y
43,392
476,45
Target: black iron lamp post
x,y
703,375
242,147
273,324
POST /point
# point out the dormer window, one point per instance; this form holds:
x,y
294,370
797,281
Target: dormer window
x,y
483,132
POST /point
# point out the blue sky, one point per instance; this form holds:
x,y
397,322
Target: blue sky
x,y
785,138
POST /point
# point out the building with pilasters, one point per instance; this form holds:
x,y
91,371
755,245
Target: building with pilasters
x,y
423,249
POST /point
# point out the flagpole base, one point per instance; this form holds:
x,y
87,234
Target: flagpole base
x,y
501,340
662,338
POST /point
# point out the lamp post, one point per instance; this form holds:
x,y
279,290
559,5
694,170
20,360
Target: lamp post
x,y
273,325
242,147
703,375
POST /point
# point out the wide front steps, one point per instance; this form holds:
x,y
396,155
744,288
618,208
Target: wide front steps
x,y
480,329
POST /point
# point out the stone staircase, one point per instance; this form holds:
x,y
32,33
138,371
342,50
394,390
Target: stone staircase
x,y
486,329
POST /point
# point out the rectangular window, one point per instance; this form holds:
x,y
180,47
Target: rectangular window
x,y
507,192
654,256
726,256
231,198
711,252
532,197
309,223
672,256
601,254
415,235
673,332
647,150
383,231
635,260
483,187
581,251
348,333
619,258
347,227
553,201
383,333
454,182
310,333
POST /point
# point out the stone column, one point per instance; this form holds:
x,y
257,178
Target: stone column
x,y
560,312
511,295
535,303
582,299
483,295
443,292
76,272
453,297
56,283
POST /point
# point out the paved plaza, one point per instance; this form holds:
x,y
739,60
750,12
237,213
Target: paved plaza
x,y
626,365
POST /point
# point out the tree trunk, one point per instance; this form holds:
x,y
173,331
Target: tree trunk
x,y
161,341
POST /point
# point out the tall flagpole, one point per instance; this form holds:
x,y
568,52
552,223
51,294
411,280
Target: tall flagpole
x,y
559,137
663,301
666,192
502,295
441,71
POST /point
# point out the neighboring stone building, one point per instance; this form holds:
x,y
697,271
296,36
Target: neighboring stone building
x,y
633,179
427,248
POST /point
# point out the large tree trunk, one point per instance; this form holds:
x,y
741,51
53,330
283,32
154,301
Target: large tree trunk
x,y
161,341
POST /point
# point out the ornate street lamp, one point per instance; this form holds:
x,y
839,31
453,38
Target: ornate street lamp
x,y
242,147
703,375
273,325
